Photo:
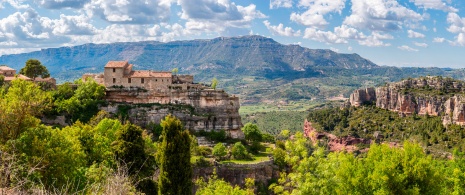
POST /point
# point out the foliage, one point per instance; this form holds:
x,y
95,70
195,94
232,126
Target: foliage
x,y
214,83
83,104
174,158
273,122
19,107
251,132
385,170
239,152
34,69
366,120
175,71
216,186
219,151
51,157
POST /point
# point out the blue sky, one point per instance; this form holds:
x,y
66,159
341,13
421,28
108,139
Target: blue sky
x,y
387,32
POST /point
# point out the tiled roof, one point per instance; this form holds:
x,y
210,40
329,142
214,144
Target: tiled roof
x,y
6,68
148,74
19,76
116,64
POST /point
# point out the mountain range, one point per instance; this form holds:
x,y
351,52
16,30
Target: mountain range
x,y
256,67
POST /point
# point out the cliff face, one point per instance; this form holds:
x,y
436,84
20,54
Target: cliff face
x,y
198,109
434,96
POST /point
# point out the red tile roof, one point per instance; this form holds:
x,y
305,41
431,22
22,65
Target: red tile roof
x,y
116,64
6,68
148,74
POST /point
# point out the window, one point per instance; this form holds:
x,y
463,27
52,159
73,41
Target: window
x,y
114,80
129,80
156,80
162,80
114,69
142,80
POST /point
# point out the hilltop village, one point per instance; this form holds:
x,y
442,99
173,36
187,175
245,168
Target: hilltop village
x,y
199,106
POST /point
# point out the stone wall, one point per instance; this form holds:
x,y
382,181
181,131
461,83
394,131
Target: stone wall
x,y
236,174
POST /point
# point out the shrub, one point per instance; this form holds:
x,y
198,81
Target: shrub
x,y
219,151
239,151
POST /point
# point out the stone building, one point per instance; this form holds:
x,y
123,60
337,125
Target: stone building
x,y
199,106
10,74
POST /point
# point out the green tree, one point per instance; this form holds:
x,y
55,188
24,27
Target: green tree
x,y
216,186
19,107
219,151
214,83
34,69
83,104
251,132
239,151
175,71
129,150
2,80
174,159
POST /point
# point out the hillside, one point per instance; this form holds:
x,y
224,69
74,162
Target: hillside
x,y
256,68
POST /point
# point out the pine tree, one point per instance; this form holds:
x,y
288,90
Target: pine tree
x,y
175,168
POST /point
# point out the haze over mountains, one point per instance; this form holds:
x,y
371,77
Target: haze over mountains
x,y
245,65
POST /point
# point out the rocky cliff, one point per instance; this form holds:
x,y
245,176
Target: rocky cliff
x,y
434,96
205,109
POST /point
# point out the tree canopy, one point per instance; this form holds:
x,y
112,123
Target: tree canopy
x,y
34,69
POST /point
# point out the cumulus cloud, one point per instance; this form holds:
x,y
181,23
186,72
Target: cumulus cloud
x,y
413,34
376,40
281,30
420,44
280,3
407,48
59,4
438,40
456,26
434,4
17,4
316,10
323,36
380,15
130,11
219,16
73,25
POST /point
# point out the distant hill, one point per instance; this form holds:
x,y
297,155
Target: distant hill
x,y
255,67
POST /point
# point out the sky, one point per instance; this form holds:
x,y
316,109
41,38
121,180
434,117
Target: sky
x,y
419,33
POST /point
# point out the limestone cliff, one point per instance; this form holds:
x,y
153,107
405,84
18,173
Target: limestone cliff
x,y
434,96
198,109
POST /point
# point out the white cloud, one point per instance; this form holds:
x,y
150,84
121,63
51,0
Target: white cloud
x,y
129,11
456,26
316,10
376,40
323,36
280,3
218,16
434,4
73,25
17,4
420,44
281,30
334,49
438,40
380,15
413,34
406,48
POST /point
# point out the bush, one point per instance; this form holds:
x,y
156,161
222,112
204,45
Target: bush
x,y
239,151
219,151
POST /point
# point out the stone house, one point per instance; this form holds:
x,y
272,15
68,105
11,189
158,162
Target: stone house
x,y
120,73
10,74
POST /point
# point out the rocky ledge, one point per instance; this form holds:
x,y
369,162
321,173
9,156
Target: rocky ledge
x,y
435,96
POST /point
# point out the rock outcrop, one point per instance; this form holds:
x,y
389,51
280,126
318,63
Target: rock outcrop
x,y
198,109
435,96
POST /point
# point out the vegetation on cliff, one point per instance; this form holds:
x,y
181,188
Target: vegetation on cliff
x,y
365,121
